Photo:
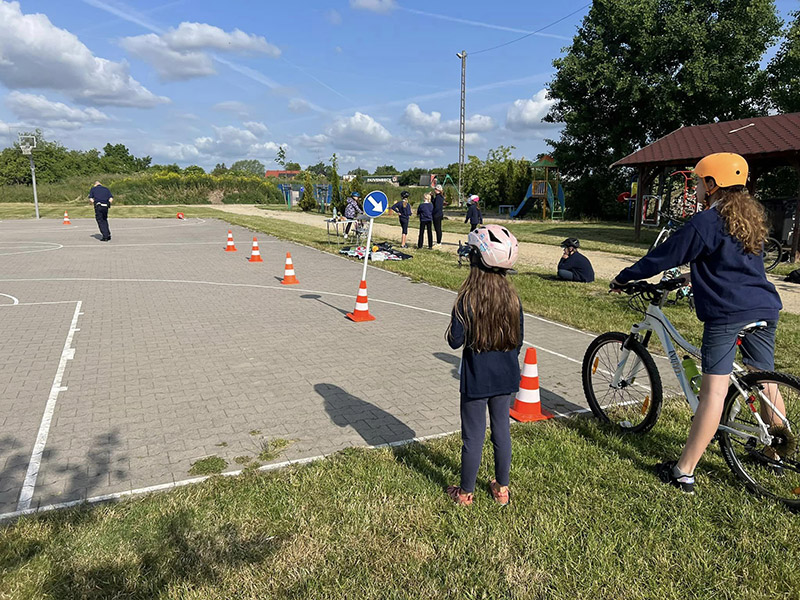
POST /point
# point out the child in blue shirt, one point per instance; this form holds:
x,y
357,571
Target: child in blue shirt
x,y
487,321
474,216
403,210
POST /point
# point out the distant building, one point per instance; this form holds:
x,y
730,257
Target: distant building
x,y
282,174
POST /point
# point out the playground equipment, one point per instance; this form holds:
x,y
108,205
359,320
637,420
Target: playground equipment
x,y
541,191
675,200
323,193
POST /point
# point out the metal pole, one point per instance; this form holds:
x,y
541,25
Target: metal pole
x,y
461,130
367,249
33,177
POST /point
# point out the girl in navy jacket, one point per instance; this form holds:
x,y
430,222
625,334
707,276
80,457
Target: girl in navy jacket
x,y
487,321
723,246
403,210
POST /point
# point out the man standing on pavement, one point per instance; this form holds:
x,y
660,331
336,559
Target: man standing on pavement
x,y
101,197
438,214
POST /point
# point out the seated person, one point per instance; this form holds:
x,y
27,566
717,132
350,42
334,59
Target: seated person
x,y
573,265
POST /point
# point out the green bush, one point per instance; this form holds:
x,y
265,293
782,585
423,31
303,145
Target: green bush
x,y
194,188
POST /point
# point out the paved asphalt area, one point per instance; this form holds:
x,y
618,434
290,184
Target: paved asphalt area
x,y
123,363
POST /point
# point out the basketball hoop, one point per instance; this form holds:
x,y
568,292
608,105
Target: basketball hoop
x,y
26,149
27,143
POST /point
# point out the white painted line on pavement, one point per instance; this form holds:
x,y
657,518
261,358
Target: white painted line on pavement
x,y
14,301
68,353
53,246
38,303
271,467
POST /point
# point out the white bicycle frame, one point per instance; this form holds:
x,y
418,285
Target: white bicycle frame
x,y
655,320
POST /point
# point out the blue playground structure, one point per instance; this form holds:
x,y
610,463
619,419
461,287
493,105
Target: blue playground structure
x,y
540,192
292,192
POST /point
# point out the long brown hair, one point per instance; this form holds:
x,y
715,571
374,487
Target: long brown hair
x,y
744,217
488,306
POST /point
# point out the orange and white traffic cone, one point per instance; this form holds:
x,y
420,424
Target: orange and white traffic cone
x,y
230,247
255,254
528,405
66,219
288,271
361,312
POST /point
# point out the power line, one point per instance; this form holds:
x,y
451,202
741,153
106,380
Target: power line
x,y
527,35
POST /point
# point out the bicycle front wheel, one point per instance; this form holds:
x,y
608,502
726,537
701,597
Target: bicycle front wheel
x,y
634,404
772,253
772,469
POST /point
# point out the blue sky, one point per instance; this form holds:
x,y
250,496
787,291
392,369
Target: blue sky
x,y
202,82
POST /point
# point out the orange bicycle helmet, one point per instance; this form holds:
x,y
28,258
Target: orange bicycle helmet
x,y
727,169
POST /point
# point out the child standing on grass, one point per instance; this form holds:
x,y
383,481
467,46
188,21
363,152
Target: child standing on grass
x,y
487,320
474,216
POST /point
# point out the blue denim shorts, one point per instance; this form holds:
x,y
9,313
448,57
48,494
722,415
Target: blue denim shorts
x,y
719,347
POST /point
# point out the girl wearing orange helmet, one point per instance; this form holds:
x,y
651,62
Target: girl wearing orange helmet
x,y
723,246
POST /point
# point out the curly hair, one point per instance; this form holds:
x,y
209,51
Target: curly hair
x,y
744,217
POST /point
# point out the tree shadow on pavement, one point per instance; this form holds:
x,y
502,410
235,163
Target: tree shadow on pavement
x,y
373,424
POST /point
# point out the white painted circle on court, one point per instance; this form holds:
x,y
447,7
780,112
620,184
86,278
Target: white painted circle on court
x,y
14,301
9,248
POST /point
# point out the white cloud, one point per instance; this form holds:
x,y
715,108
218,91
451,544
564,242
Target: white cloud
x,y
202,36
256,127
298,105
312,141
451,139
416,118
358,132
58,115
182,53
378,6
170,64
175,152
527,114
34,53
475,123
233,106
333,17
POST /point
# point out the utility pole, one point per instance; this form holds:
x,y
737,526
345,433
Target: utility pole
x,y
461,130
26,145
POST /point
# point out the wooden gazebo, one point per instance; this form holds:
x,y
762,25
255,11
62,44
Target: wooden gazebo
x,y
765,142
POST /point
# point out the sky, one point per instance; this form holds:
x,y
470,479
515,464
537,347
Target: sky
x,y
206,82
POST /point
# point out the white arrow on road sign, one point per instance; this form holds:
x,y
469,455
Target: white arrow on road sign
x,y
376,205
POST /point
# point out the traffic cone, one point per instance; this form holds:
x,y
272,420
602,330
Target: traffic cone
x,y
361,312
288,272
528,406
255,255
230,247
66,219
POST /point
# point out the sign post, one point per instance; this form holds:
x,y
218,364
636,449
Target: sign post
x,y
375,205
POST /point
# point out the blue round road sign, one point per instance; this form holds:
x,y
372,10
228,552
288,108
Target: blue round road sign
x,y
375,204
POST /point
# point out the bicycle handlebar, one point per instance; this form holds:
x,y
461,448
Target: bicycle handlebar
x,y
652,289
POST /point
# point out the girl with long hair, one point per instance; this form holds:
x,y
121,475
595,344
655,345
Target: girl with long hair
x,y
487,321
723,246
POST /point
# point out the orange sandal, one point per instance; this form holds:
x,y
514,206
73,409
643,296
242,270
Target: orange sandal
x,y
458,496
501,494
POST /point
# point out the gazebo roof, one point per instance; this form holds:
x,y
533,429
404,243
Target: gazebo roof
x,y
774,140
546,161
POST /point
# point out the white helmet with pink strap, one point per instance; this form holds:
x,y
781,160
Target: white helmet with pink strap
x,y
496,245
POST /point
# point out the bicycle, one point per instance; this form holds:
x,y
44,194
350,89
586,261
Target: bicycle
x,y
623,386
672,225
772,253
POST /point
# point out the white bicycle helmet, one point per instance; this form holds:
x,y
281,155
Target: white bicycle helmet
x,y
496,246
474,199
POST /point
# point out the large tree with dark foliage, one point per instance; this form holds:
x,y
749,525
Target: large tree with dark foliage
x,y
638,69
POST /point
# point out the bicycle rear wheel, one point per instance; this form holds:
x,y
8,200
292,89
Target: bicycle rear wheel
x,y
769,470
634,406
772,254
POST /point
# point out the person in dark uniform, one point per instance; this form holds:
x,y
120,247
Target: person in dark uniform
x,y
101,197
438,214
573,265
425,213
403,209
473,213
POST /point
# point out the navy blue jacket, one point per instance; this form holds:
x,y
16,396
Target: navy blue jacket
x,y
403,211
425,212
579,266
438,206
729,284
100,193
486,374
473,215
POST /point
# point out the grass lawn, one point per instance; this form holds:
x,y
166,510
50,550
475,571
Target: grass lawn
x,y
588,518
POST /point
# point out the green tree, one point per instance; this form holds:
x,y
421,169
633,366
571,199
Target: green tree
x,y
308,201
194,170
386,170
293,166
219,169
784,70
320,169
638,70
280,157
173,168
337,199
250,167
358,171
411,176
357,184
